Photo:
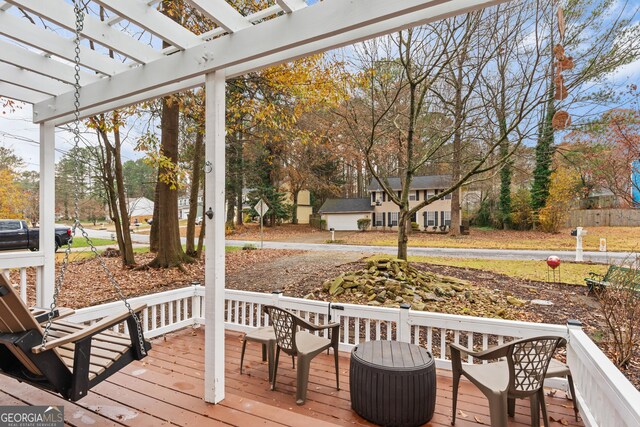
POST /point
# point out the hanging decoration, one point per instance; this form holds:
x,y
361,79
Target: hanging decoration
x,y
561,119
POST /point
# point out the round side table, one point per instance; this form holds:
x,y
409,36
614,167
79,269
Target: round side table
x,y
392,383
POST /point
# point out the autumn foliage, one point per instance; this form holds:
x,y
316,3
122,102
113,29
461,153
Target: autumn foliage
x,y
562,192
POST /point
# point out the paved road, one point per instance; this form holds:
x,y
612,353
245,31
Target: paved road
x,y
604,257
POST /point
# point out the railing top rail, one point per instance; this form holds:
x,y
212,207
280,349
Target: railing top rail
x,y
102,310
25,259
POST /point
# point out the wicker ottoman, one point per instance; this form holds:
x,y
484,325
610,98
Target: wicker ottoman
x,y
393,383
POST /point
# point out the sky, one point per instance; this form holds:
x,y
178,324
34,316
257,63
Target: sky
x,y
18,133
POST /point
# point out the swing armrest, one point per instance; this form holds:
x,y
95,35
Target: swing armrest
x,y
89,331
42,315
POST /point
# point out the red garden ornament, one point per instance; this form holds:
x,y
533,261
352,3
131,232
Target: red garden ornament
x,y
553,262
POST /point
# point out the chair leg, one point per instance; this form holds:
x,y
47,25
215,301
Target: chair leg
x,y
293,361
275,369
264,352
335,355
270,358
456,382
498,409
534,402
302,379
511,407
543,407
244,347
573,395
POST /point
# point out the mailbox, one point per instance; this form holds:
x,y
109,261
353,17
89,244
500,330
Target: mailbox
x,y
574,232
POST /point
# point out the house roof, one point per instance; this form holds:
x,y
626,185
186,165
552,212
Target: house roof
x,y
428,182
346,205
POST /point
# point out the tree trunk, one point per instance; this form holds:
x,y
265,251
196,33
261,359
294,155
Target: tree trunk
x,y
196,178
294,208
126,250
403,239
204,224
153,234
109,186
170,253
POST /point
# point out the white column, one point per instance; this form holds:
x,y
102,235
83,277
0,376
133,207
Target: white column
x,y
44,290
214,240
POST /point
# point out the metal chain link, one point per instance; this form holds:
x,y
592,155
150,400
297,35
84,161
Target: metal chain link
x,y
77,8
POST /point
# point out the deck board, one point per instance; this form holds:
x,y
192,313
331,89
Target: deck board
x,y
167,387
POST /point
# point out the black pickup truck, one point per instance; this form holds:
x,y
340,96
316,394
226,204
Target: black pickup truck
x,y
16,234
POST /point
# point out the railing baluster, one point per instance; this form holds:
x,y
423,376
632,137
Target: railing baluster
x,y
23,284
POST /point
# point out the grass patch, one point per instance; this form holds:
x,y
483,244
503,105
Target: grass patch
x,y
81,242
619,239
570,272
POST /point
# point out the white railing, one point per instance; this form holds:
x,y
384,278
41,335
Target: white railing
x,y
166,311
605,397
25,260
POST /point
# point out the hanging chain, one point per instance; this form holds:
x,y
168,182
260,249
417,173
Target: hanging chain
x,y
76,222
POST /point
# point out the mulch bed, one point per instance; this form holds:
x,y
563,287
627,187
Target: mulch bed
x,y
86,285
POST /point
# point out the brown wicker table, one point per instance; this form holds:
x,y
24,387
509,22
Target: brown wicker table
x,y
392,383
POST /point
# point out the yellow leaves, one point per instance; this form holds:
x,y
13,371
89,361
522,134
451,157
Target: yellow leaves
x,y
12,200
562,192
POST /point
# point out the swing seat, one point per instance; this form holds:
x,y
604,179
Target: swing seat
x,y
75,357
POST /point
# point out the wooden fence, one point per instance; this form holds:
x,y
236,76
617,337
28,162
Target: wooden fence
x,y
604,218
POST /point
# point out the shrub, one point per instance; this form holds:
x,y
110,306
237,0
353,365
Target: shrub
x,y
415,226
620,305
521,211
562,191
249,247
363,224
323,224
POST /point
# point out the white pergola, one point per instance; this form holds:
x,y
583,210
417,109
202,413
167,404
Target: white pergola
x,y
36,68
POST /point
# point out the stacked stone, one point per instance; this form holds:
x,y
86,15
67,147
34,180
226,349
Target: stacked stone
x,y
389,282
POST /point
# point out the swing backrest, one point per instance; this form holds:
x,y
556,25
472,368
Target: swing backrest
x,y
15,317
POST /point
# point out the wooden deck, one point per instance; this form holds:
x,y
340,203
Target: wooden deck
x,y
167,388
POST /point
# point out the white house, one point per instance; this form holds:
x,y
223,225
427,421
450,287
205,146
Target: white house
x,y
343,214
140,207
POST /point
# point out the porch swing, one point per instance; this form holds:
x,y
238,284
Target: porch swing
x,y
44,350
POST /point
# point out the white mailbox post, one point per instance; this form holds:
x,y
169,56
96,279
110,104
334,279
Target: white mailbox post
x,y
580,232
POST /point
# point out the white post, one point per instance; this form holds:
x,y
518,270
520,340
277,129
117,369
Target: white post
x,y
579,233
44,288
214,239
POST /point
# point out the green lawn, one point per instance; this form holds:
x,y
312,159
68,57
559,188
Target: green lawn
x,y
80,242
570,272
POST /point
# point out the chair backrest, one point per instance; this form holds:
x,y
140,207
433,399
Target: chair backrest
x,y
15,317
285,327
528,360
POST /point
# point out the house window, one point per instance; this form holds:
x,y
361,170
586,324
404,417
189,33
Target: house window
x,y
428,194
447,218
431,219
412,197
447,197
394,219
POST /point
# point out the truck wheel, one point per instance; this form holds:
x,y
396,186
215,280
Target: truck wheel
x,y
57,246
33,249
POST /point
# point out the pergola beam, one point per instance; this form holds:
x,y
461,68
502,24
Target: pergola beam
x,y
289,6
153,21
23,31
24,58
33,81
19,93
61,13
275,41
222,13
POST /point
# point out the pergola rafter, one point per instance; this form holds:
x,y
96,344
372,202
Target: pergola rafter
x,y
61,13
